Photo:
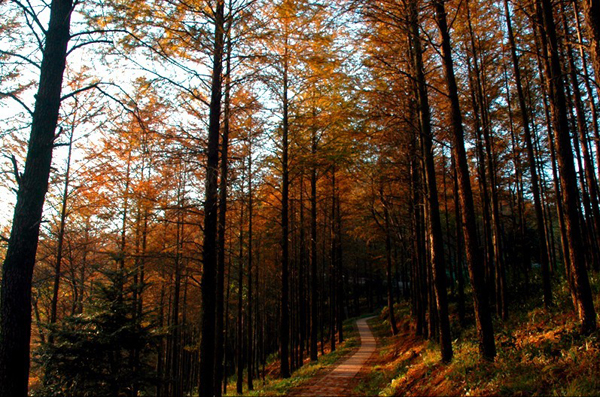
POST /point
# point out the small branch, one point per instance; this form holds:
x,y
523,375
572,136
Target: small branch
x,y
16,169
72,94
16,99
123,105
28,10
100,31
22,57
78,46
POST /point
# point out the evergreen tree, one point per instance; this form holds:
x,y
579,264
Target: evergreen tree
x,y
105,351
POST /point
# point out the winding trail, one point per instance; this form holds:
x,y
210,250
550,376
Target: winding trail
x,y
339,380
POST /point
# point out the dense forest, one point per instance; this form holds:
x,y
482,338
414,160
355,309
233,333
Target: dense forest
x,y
198,193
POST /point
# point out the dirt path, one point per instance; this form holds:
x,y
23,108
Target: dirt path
x,y
338,382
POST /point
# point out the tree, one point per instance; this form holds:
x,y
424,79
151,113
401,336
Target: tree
x,y
592,13
435,226
17,270
92,354
568,179
209,253
535,185
483,317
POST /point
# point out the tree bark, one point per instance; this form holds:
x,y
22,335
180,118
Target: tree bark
x,y
582,129
435,225
568,177
332,266
224,170
61,239
535,187
285,185
209,254
588,85
250,225
592,17
17,271
388,268
483,317
240,304
314,299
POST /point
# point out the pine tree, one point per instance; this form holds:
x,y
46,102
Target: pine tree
x,y
105,351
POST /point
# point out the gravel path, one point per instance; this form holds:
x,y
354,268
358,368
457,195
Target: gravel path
x,y
337,382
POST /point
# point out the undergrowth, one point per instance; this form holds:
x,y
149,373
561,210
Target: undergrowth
x,y
540,352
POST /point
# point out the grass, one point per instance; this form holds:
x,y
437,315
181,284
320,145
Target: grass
x,y
540,352
388,364
277,387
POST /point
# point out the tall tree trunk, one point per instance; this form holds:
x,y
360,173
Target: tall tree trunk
x,y
435,224
303,284
568,177
61,239
227,327
517,203
332,266
209,254
582,129
240,302
174,369
314,290
539,43
160,364
588,84
339,270
487,171
483,317
17,271
250,302
459,251
224,168
285,309
388,268
592,18
539,214
418,296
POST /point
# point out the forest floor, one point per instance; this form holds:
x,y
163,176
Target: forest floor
x,y
540,352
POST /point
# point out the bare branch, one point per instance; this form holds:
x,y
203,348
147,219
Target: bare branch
x,y
16,99
24,58
72,94
28,10
78,46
